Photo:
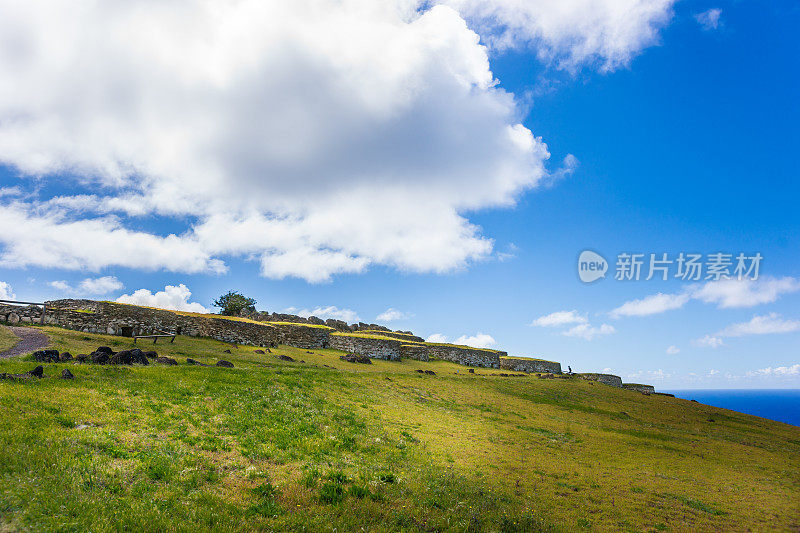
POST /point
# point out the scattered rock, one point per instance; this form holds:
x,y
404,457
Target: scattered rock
x,y
193,362
471,370
46,356
166,361
286,358
37,372
307,351
430,372
419,371
150,355
66,374
82,358
226,351
226,364
129,357
105,350
100,358
260,352
355,358
64,357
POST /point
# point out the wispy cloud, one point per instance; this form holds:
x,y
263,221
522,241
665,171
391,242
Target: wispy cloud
x,y
761,325
560,318
709,20
589,332
393,314
725,293
672,350
651,305
331,311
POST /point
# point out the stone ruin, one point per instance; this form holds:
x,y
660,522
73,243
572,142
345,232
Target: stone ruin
x,y
266,329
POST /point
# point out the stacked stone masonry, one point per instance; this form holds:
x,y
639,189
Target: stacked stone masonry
x,y
607,379
464,355
271,329
521,364
644,389
414,351
388,349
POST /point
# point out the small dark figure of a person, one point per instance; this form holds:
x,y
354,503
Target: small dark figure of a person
x,y
569,369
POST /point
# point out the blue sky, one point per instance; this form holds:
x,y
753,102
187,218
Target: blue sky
x,y
685,136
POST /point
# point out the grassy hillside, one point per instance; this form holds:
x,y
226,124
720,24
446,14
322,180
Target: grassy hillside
x,y
324,444
7,339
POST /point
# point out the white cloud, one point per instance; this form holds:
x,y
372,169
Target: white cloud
x,y
393,314
650,305
672,350
731,293
589,332
713,372
331,311
779,371
437,337
321,122
708,341
560,318
479,340
761,325
725,293
6,293
172,297
90,286
571,32
710,19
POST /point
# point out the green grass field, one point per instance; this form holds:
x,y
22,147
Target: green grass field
x,y
7,339
325,445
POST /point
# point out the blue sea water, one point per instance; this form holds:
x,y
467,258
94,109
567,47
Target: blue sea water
x,y
782,405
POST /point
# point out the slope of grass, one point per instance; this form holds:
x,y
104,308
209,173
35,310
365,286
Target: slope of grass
x,y
7,339
322,444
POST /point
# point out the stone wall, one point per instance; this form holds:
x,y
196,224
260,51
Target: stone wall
x,y
644,389
414,351
405,337
18,314
302,336
607,379
373,348
128,320
464,355
524,364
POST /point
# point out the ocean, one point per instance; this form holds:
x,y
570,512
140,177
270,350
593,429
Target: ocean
x,y
782,405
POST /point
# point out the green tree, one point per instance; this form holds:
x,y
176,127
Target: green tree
x,y
233,303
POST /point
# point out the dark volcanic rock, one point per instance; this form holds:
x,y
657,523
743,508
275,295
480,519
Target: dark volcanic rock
x,y
150,355
66,374
471,370
193,362
64,357
286,358
226,364
105,350
166,361
419,371
37,372
82,358
100,358
260,352
355,358
430,372
46,356
226,351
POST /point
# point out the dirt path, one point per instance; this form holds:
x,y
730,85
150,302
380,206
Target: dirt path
x,y
30,339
